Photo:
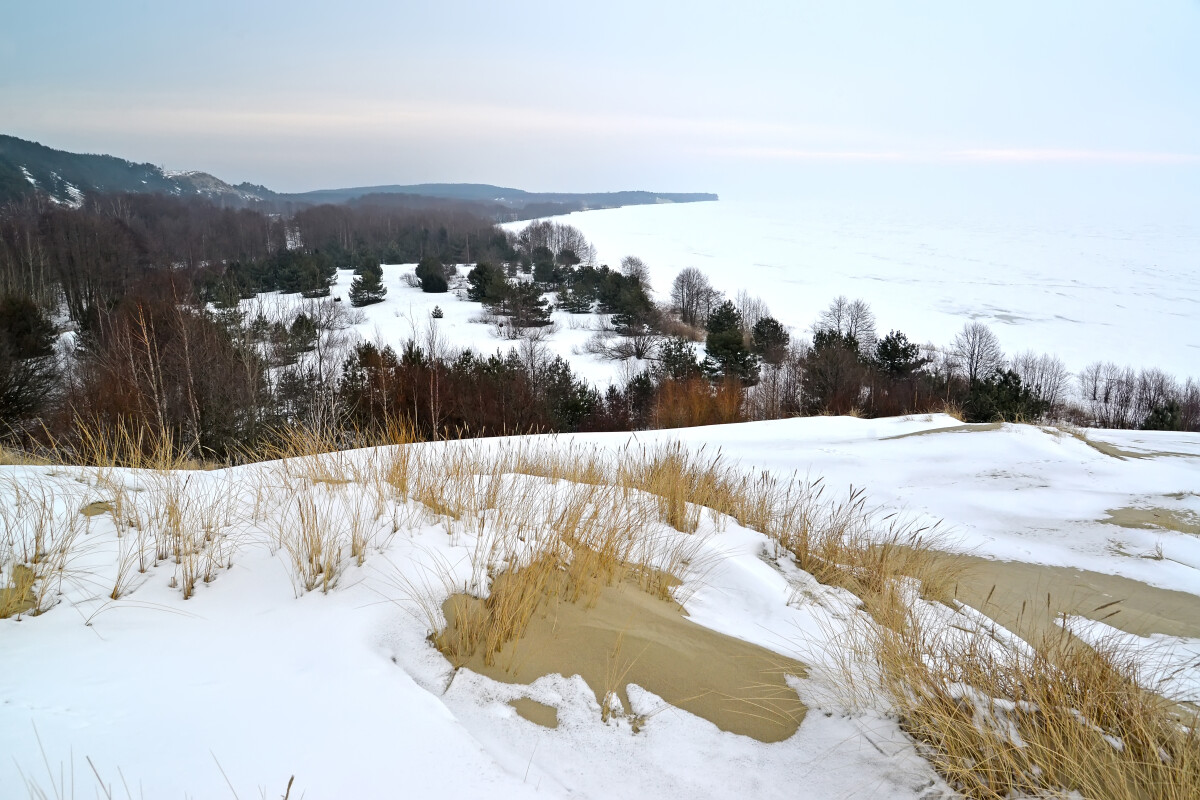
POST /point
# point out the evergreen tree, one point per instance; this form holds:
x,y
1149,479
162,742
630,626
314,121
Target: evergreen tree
x,y
486,284
28,369
575,300
525,306
726,353
833,373
435,283
302,336
1002,398
1165,417
677,359
770,340
432,275
367,287
897,357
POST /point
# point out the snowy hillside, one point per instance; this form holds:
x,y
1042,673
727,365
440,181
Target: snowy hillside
x,y
313,587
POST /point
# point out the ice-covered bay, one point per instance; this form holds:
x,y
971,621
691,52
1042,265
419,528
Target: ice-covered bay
x,y
1085,289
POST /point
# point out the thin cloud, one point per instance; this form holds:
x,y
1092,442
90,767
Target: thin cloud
x,y
979,155
1020,155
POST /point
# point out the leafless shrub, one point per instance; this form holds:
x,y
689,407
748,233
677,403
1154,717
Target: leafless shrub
x,y
1046,376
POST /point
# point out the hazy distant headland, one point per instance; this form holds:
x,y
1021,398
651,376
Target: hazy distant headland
x,y
28,169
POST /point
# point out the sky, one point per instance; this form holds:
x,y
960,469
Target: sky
x,y
743,99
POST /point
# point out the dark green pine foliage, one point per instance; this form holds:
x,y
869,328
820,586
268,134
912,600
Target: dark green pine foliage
x,y
543,265
1002,398
897,357
302,335
368,287
486,284
28,370
677,359
1167,416
525,306
770,340
432,275
576,300
727,355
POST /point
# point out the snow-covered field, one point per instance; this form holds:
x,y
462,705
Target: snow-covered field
x,y
405,314
1126,291
253,680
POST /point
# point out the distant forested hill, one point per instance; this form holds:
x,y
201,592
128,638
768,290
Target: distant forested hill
x,y
28,169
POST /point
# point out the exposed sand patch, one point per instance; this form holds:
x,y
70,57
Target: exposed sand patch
x,y
535,712
18,598
627,637
96,509
1120,452
979,427
1027,598
1165,518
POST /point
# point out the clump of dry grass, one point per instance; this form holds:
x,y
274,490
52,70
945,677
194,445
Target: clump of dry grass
x,y
308,535
598,526
1048,719
553,543
39,537
841,543
120,444
17,596
954,410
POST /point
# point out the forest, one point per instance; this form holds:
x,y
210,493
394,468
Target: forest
x,y
125,314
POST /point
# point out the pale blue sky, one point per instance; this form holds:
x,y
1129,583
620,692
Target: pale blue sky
x,y
613,95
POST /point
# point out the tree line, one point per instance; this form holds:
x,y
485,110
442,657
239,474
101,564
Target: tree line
x,y
148,312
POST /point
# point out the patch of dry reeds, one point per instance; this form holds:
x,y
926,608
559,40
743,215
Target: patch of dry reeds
x,y
1054,718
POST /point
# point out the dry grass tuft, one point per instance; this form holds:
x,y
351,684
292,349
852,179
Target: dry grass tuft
x,y
1053,718
953,410
39,535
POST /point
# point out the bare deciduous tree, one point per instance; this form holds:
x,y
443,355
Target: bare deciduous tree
x,y
851,318
752,309
634,267
557,237
977,352
692,296
1044,375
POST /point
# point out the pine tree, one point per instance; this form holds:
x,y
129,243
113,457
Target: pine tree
x,y
897,357
367,287
432,275
677,359
727,356
575,301
770,340
486,284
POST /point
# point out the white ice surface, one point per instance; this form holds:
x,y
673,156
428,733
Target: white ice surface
x,y
1126,291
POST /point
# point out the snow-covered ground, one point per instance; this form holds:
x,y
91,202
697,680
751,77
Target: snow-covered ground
x,y
405,314
1125,290
251,681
